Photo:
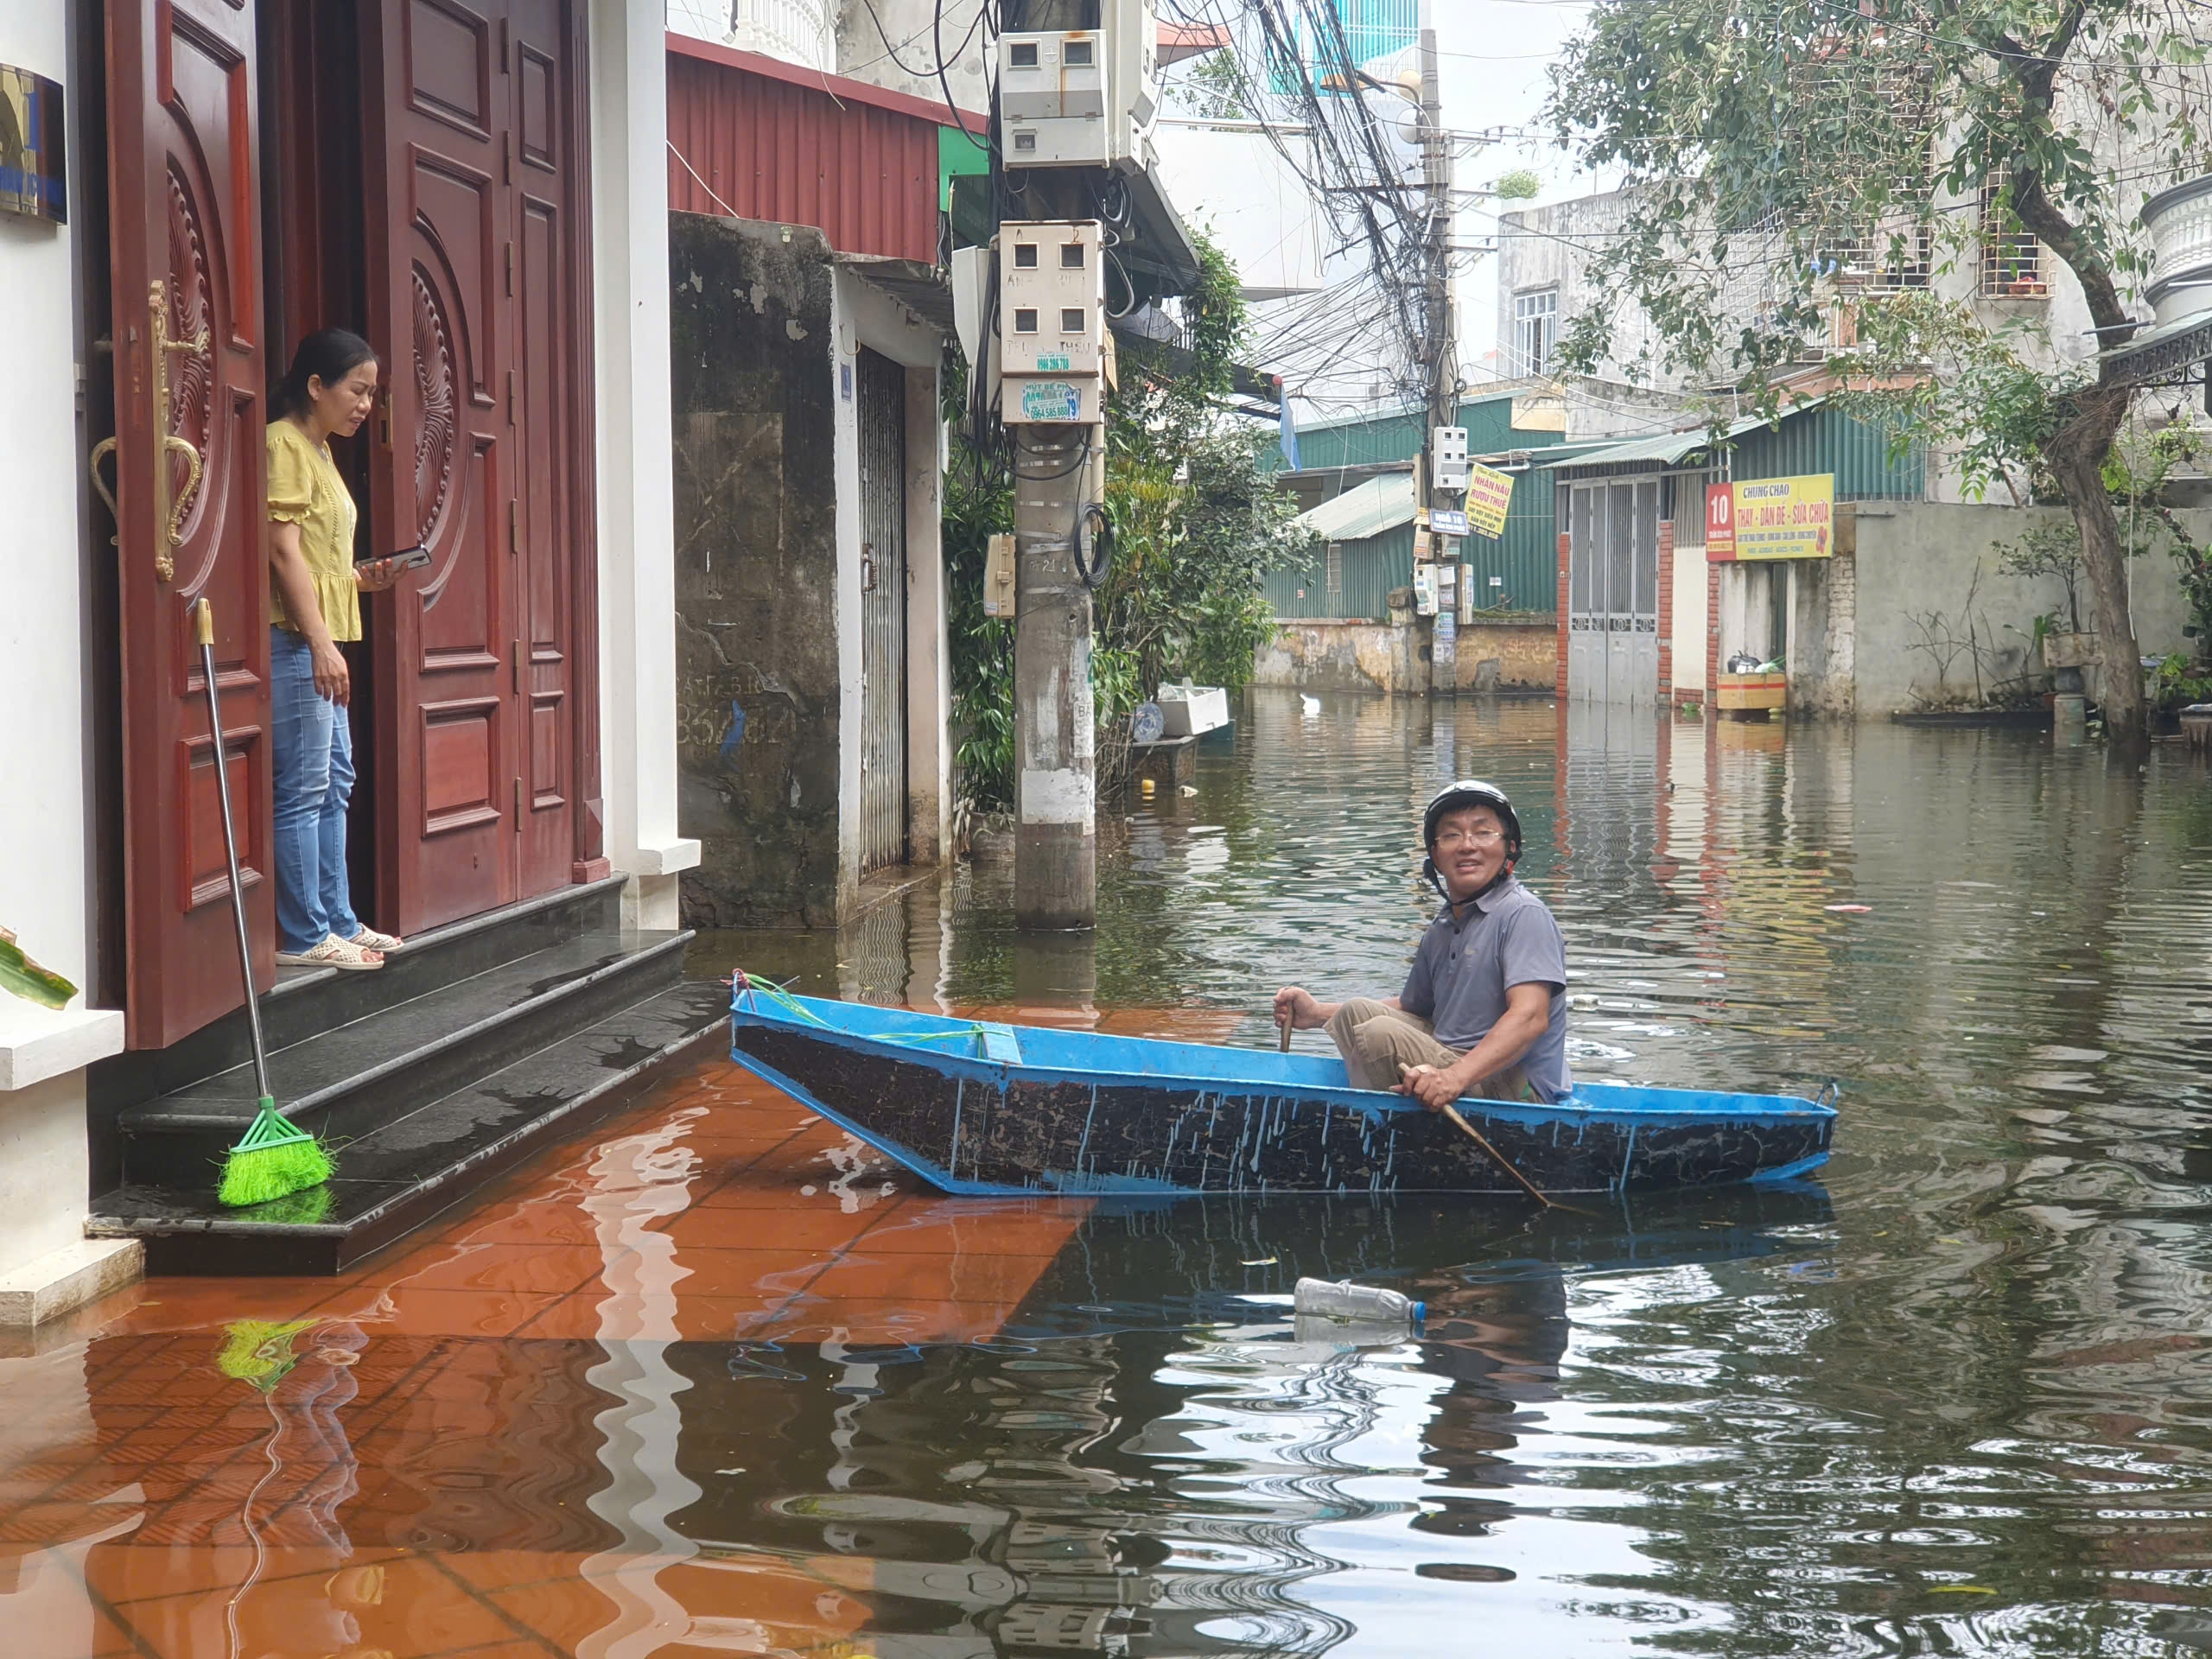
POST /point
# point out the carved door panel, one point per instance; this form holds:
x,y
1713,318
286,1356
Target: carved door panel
x,y
446,468
548,329
188,499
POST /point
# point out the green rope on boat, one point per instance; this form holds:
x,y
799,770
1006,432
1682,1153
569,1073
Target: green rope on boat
x,y
759,985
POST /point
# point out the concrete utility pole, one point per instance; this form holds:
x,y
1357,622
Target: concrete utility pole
x,y
1057,470
1439,325
1059,458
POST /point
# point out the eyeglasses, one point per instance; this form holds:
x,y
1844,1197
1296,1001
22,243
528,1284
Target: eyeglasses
x,y
1450,838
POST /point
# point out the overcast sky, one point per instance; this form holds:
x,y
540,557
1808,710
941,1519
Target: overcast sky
x,y
1494,56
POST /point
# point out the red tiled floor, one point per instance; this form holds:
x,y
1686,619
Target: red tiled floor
x,y
129,1571
747,1272
537,1222
817,1224
542,1268
590,1316
970,1276
463,1371
892,1320
563,1611
418,1611
460,1312
939,1226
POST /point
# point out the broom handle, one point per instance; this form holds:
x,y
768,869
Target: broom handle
x,y
203,615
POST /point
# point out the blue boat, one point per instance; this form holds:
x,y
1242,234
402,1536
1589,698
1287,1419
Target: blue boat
x,y
977,1108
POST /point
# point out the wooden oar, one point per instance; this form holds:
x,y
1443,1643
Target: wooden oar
x,y
1502,1160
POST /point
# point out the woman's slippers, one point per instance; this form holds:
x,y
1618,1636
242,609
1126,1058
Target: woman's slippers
x,y
333,952
384,944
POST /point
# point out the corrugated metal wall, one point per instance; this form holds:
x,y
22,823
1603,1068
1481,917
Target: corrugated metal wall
x,y
1369,570
1489,422
763,148
1525,559
1826,439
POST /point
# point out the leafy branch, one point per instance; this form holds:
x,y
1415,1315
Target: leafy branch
x,y
28,980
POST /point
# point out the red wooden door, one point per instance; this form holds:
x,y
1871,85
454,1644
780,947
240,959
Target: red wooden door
x,y
445,467
476,125
189,495
550,327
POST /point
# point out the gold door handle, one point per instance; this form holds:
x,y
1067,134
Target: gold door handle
x,y
164,564
169,516
105,446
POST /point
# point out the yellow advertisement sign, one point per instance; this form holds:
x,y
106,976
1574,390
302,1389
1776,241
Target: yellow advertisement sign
x,y
1490,497
1784,518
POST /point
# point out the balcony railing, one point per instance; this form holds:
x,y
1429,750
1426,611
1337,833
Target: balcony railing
x,y
2179,221
797,31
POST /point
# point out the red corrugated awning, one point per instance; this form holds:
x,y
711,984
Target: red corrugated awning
x,y
754,138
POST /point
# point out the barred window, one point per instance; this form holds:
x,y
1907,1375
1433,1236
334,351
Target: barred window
x,y
1536,330
1335,571
2011,258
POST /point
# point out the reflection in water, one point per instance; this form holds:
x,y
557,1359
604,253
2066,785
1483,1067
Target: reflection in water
x,y
1971,1413
1151,1458
304,1371
636,1179
1956,1399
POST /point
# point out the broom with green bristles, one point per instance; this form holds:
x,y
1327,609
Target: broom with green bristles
x,y
276,1158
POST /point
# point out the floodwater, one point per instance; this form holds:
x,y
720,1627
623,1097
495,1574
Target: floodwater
x,y
709,1380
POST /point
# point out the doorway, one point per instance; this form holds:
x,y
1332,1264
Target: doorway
x,y
416,171
424,181
1613,591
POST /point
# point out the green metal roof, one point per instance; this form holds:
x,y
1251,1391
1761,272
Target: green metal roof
x,y
1364,510
1667,450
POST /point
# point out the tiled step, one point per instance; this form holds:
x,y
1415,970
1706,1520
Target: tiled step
x,y
306,1001
346,1083
422,1159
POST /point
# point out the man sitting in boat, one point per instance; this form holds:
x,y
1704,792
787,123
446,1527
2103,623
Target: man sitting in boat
x,y
1484,1012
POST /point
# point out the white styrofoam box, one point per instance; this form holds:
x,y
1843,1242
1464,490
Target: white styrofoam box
x,y
1052,400
1187,710
1051,298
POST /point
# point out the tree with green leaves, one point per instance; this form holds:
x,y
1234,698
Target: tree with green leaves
x,y
1786,159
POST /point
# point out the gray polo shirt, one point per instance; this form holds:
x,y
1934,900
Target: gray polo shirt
x,y
1464,967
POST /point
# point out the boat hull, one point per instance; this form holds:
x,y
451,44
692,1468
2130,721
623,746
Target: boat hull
x,y
969,1124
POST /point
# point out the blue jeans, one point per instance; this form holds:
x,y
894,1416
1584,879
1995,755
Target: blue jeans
x,y
313,762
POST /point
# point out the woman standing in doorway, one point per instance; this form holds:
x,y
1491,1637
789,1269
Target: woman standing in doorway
x,y
314,606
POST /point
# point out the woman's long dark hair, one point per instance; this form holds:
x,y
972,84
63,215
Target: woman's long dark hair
x,y
327,354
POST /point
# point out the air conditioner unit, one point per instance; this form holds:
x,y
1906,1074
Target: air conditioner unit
x,y
1052,99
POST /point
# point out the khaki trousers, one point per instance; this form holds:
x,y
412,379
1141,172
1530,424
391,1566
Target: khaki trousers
x,y
1376,1039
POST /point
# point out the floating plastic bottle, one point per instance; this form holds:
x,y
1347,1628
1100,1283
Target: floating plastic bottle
x,y
1345,1303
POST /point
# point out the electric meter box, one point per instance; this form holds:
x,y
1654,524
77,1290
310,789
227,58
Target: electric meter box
x,y
1052,99
1051,298
1448,457
1133,27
